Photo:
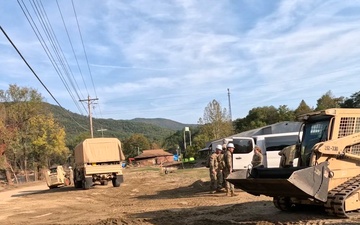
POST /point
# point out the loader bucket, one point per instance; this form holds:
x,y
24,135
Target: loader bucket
x,y
305,182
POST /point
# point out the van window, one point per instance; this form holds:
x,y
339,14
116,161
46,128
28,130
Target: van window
x,y
242,146
278,143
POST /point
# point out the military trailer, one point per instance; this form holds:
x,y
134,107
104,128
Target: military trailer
x,y
56,176
98,160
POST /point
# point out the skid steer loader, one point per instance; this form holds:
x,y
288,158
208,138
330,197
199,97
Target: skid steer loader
x,y
328,170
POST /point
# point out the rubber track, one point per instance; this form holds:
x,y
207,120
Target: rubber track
x,y
335,204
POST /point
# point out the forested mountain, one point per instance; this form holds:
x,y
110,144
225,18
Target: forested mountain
x,y
76,124
165,123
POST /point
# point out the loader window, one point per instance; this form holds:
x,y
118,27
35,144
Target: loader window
x,y
313,133
278,143
242,146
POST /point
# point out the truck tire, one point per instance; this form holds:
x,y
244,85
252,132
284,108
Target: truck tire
x,y
87,183
104,182
115,183
77,183
117,180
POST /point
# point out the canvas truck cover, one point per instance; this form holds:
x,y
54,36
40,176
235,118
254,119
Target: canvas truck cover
x,y
98,150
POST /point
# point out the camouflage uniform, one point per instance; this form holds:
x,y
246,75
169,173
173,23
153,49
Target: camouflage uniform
x,y
213,168
287,156
220,171
257,159
227,170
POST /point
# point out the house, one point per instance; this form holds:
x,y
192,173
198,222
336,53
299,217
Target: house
x,y
154,157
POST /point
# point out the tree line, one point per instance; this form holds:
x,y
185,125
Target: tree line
x,y
32,139
29,135
215,123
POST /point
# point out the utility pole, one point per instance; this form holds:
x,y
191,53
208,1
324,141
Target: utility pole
x,y
229,104
90,101
102,131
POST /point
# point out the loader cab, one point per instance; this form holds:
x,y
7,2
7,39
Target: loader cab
x,y
315,130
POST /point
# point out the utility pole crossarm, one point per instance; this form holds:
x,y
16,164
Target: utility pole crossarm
x,y
90,101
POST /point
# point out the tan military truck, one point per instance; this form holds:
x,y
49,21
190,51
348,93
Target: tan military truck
x,y
56,176
98,160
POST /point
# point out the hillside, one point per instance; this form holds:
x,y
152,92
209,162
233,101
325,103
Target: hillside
x,y
165,123
76,124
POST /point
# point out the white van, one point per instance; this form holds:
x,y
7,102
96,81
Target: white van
x,y
220,142
270,144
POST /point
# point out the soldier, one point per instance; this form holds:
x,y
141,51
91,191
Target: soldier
x,y
287,156
257,159
213,169
229,169
220,171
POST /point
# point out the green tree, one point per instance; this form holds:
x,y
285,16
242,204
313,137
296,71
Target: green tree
x,y
217,121
135,144
328,100
174,141
32,137
286,114
47,142
302,109
352,102
21,104
261,116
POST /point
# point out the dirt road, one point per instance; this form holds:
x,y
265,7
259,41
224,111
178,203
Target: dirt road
x,y
6,196
149,197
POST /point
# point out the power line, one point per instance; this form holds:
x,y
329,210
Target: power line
x,y
37,77
63,60
46,49
72,47
82,42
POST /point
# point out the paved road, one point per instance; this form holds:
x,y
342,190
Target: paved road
x,y
6,196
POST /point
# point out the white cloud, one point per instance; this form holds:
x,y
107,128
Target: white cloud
x,y
170,58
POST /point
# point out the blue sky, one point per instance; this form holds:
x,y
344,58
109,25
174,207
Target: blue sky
x,y
169,59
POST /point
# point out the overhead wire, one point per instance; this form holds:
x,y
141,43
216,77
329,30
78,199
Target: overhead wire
x,y
37,77
63,59
72,47
45,47
47,27
85,53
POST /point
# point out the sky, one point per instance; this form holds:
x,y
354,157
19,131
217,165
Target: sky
x,y
169,59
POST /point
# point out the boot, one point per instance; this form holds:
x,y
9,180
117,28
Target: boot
x,y
233,194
